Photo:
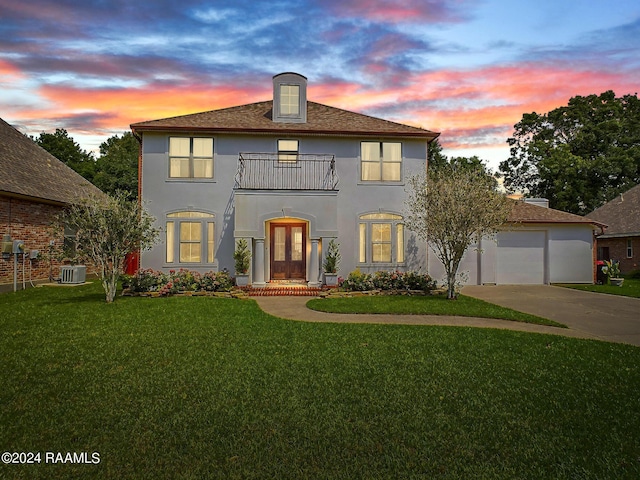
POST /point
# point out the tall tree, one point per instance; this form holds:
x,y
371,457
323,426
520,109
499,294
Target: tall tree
x,y
65,149
117,167
435,158
452,207
579,156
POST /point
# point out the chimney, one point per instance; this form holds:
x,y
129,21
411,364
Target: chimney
x,y
541,202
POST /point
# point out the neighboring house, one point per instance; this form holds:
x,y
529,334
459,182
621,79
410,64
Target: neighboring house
x,y
288,175
621,239
34,187
539,245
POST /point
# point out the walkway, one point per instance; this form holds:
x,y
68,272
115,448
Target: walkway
x,y
588,315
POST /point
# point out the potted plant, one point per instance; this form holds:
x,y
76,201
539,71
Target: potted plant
x,y
242,258
612,270
331,264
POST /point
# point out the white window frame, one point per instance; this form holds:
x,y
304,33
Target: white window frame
x,y
173,241
377,164
290,98
191,158
629,248
366,242
285,154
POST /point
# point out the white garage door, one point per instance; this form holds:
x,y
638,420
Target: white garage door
x,y
520,258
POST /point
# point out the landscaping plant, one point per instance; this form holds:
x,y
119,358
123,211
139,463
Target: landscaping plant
x,y
107,228
452,208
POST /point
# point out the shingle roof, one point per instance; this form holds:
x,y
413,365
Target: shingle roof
x,y
256,118
29,170
622,214
524,212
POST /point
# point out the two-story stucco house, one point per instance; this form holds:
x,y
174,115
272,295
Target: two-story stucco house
x,y
286,174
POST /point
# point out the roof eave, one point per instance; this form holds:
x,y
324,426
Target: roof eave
x,y
31,198
430,136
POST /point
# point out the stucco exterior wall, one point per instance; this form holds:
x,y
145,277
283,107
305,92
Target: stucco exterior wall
x,y
550,253
244,213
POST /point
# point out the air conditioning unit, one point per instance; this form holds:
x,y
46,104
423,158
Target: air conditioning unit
x,y
73,274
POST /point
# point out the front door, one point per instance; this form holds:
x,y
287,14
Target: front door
x,y
288,259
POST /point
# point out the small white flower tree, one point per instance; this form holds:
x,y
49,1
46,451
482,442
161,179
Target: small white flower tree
x,y
107,228
451,208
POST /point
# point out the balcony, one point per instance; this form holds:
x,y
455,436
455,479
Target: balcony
x,y
273,171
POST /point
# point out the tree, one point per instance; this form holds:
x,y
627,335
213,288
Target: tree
x,y
107,228
65,149
449,209
579,156
117,167
435,158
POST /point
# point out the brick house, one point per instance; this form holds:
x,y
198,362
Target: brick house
x,y
621,239
34,187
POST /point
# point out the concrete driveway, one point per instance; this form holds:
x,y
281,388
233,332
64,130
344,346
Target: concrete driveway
x,y
608,317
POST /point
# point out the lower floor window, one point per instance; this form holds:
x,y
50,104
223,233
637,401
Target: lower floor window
x,y
190,237
381,238
629,248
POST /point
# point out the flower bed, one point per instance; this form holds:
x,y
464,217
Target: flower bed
x,y
148,281
394,282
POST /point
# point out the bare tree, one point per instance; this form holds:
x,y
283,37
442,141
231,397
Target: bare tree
x,y
450,209
107,228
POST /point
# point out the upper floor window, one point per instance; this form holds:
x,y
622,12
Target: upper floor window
x,y
290,100
381,161
381,238
190,237
190,157
288,150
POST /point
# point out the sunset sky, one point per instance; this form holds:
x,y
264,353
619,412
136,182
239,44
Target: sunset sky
x,y
466,68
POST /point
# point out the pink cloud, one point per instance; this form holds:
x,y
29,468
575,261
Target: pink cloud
x,y
121,107
462,104
471,108
394,11
9,70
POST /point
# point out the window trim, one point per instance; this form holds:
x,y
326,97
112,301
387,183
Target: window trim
x,y
173,226
281,112
381,163
397,234
284,156
191,159
629,248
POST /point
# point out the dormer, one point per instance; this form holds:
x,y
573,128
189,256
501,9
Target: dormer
x,y
289,98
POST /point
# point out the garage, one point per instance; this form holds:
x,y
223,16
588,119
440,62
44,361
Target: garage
x,y
538,245
520,258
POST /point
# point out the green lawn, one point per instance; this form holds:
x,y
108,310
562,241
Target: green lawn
x,y
429,305
630,288
192,388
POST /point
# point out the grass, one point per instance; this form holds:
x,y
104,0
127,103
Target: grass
x,y
430,305
191,388
630,288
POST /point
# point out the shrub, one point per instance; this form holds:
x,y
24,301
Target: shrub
x,y
179,281
242,257
381,280
332,261
358,282
147,280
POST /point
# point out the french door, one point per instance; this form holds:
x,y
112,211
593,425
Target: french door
x,y
288,253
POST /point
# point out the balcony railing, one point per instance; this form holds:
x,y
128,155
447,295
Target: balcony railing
x,y
286,171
